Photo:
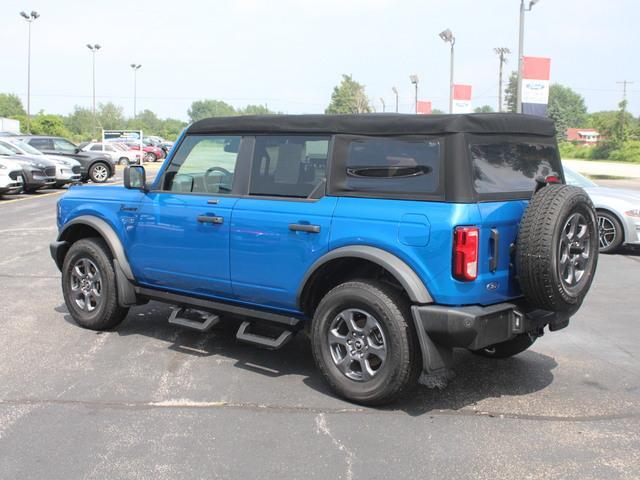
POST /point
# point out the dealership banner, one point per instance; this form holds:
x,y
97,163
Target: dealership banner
x,y
461,99
424,108
535,85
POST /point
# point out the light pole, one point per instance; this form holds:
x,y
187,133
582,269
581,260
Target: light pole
x,y
447,36
135,68
395,92
502,52
94,49
523,9
384,106
29,18
414,80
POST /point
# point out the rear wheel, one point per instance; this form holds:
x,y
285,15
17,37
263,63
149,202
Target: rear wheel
x,y
509,348
364,344
99,172
89,285
610,232
123,161
150,157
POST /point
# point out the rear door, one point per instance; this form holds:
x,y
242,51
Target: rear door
x,y
505,170
182,235
282,226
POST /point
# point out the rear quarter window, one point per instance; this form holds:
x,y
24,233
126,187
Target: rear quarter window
x,y
404,167
511,167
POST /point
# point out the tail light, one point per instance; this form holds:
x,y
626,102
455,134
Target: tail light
x,y
465,253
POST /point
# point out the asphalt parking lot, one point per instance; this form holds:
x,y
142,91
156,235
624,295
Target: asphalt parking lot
x,y
155,401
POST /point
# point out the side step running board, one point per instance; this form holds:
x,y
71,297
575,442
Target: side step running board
x,y
194,319
271,343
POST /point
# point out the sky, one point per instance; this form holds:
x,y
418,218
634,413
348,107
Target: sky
x,y
290,54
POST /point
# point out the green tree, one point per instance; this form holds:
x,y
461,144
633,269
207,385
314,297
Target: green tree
x,y
10,105
484,109
256,110
171,128
511,93
437,111
348,97
80,123
110,116
47,124
567,109
210,108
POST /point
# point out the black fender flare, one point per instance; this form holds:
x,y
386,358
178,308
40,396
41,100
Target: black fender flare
x,y
397,267
110,236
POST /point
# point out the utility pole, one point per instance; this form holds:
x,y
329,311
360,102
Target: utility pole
x,y
502,54
94,49
29,18
414,80
623,106
395,92
521,51
135,68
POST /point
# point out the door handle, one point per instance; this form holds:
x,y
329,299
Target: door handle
x,y
304,227
210,219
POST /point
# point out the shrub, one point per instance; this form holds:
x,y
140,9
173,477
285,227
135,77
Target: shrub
x,y
629,151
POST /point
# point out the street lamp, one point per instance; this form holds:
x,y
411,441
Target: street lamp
x,y
384,106
29,18
395,92
447,36
502,52
414,80
523,9
135,68
94,49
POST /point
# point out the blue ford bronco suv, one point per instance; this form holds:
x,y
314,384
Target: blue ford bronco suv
x,y
391,239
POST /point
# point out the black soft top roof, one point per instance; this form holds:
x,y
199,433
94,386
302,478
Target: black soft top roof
x,y
377,124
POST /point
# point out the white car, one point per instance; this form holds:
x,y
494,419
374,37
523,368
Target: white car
x,y
119,154
11,180
618,212
67,169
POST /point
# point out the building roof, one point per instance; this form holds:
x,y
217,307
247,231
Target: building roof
x,y
377,124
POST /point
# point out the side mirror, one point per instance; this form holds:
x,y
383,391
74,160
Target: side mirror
x,y
135,178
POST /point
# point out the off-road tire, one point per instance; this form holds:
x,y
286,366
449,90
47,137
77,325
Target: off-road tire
x,y
509,348
615,245
391,309
107,314
538,247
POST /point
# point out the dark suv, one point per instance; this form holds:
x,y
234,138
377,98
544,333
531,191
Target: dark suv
x,y
392,238
94,166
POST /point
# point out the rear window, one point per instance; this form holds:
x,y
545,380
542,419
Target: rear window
x,y
510,167
393,166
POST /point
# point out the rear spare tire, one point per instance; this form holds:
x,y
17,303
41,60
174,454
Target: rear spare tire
x,y
557,248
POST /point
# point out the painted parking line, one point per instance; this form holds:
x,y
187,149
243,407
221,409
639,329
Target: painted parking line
x,y
42,195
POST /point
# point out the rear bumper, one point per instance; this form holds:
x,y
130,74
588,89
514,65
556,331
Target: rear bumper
x,y
442,328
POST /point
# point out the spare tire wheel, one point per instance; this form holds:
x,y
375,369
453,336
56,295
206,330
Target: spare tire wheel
x,y
557,248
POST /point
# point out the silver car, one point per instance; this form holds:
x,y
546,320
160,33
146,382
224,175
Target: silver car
x,y
618,212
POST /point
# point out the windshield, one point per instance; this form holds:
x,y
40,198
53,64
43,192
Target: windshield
x,y
5,151
25,147
577,180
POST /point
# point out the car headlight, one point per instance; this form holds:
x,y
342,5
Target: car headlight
x,y
2,167
41,165
633,213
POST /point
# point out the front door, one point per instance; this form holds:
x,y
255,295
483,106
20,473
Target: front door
x,y
181,240
282,227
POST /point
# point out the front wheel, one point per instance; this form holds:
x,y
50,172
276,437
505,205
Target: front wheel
x,y
89,285
509,348
99,172
123,161
150,157
364,343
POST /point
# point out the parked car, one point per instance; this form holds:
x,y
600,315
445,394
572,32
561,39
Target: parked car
x,y
10,177
37,173
95,166
392,238
120,155
151,153
67,169
618,212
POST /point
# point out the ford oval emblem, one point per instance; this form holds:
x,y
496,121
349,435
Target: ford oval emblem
x,y
491,286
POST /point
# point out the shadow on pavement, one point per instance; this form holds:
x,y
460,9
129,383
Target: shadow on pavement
x,y
476,378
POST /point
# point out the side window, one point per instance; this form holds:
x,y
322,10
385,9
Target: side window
x,y
62,145
96,148
203,164
288,165
393,165
41,143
